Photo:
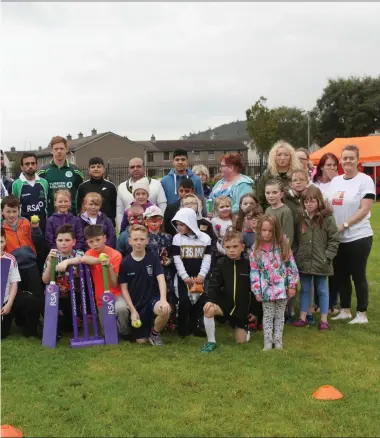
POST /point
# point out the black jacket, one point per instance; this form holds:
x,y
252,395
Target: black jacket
x,y
230,287
106,189
170,212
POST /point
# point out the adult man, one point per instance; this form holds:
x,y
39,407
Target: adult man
x,y
60,174
6,182
124,191
106,189
171,182
31,190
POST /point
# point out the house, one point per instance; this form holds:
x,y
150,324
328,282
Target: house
x,y
12,161
159,153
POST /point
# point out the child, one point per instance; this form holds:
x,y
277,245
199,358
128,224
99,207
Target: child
x,y
140,193
229,292
274,192
62,204
22,304
274,277
191,251
142,282
222,220
96,241
318,245
65,243
91,214
135,217
19,242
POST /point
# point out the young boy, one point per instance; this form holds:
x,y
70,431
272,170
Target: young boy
x,y
65,242
135,217
230,296
19,243
191,251
143,286
96,241
21,305
140,193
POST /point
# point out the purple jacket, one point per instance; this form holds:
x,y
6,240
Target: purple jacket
x,y
56,220
108,228
124,222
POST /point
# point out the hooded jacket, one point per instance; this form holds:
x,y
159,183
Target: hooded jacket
x,y
192,252
108,228
58,219
239,188
172,181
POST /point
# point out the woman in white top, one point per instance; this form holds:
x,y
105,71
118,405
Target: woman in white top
x,y
351,196
327,169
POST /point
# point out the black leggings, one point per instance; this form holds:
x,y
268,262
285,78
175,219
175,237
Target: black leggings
x,y
351,261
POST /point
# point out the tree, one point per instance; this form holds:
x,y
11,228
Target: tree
x,y
348,108
261,127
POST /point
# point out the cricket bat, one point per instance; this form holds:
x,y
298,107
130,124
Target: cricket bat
x,y
5,267
49,336
108,312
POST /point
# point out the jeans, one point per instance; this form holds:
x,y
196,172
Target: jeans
x,y
320,289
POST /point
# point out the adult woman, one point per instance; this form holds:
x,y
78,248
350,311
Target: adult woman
x,y
282,160
232,184
351,196
327,169
204,175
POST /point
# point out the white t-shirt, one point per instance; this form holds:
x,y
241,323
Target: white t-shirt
x,y
13,276
220,227
345,195
323,187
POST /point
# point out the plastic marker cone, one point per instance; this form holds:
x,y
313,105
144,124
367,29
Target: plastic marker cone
x,y
10,431
327,392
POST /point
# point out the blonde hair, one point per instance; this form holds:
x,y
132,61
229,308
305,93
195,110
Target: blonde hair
x,y
62,192
137,227
200,168
221,199
294,162
97,199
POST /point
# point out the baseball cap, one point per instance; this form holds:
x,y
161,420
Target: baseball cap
x,y
153,210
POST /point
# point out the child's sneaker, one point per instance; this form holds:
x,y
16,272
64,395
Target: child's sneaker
x,y
300,323
343,314
311,320
323,325
360,318
278,346
268,346
155,339
209,347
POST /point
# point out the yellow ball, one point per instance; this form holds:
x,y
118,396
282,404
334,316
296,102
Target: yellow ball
x,y
34,219
102,257
136,323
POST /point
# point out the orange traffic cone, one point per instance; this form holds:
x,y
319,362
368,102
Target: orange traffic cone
x,y
327,392
10,431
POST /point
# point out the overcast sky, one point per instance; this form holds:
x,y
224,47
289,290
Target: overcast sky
x,y
170,68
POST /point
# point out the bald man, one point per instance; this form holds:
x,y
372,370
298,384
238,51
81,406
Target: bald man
x,y
136,171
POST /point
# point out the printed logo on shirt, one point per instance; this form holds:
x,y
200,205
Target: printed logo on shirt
x,y
68,174
25,194
69,185
35,207
149,269
104,188
338,198
192,252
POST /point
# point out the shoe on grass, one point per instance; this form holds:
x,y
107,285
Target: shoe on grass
x,y
209,347
360,318
333,312
311,320
300,323
277,346
268,346
323,325
156,339
342,315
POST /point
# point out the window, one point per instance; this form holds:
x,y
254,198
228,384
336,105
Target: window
x,y
166,156
149,157
211,155
197,155
213,171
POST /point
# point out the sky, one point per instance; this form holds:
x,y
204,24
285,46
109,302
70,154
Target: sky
x,y
168,69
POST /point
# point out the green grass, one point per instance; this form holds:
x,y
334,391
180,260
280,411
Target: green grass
x,y
131,390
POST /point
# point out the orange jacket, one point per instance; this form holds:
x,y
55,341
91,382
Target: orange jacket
x,y
21,237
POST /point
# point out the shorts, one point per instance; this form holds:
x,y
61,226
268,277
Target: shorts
x,y
146,318
232,321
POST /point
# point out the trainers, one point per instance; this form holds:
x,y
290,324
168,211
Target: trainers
x,y
268,346
333,312
156,339
300,323
278,346
209,347
311,320
323,325
360,318
342,315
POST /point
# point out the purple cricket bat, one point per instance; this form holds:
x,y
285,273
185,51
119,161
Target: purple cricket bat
x,y
5,267
49,336
108,312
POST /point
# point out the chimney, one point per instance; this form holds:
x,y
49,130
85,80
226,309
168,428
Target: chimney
x,y
80,135
13,149
93,132
69,138
153,138
40,148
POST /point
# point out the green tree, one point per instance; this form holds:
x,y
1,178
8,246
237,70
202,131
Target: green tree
x,y
348,108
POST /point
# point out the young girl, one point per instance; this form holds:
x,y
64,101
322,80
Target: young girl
x,y
274,277
247,225
222,220
318,245
246,201
91,215
62,204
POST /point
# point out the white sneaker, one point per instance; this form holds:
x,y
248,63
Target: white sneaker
x,y
342,315
360,318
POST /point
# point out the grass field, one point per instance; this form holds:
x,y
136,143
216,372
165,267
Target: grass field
x,y
131,390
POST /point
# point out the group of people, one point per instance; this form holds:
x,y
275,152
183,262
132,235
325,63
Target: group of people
x,y
184,251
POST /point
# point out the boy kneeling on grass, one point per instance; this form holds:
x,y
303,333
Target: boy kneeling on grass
x,y
230,296
143,286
